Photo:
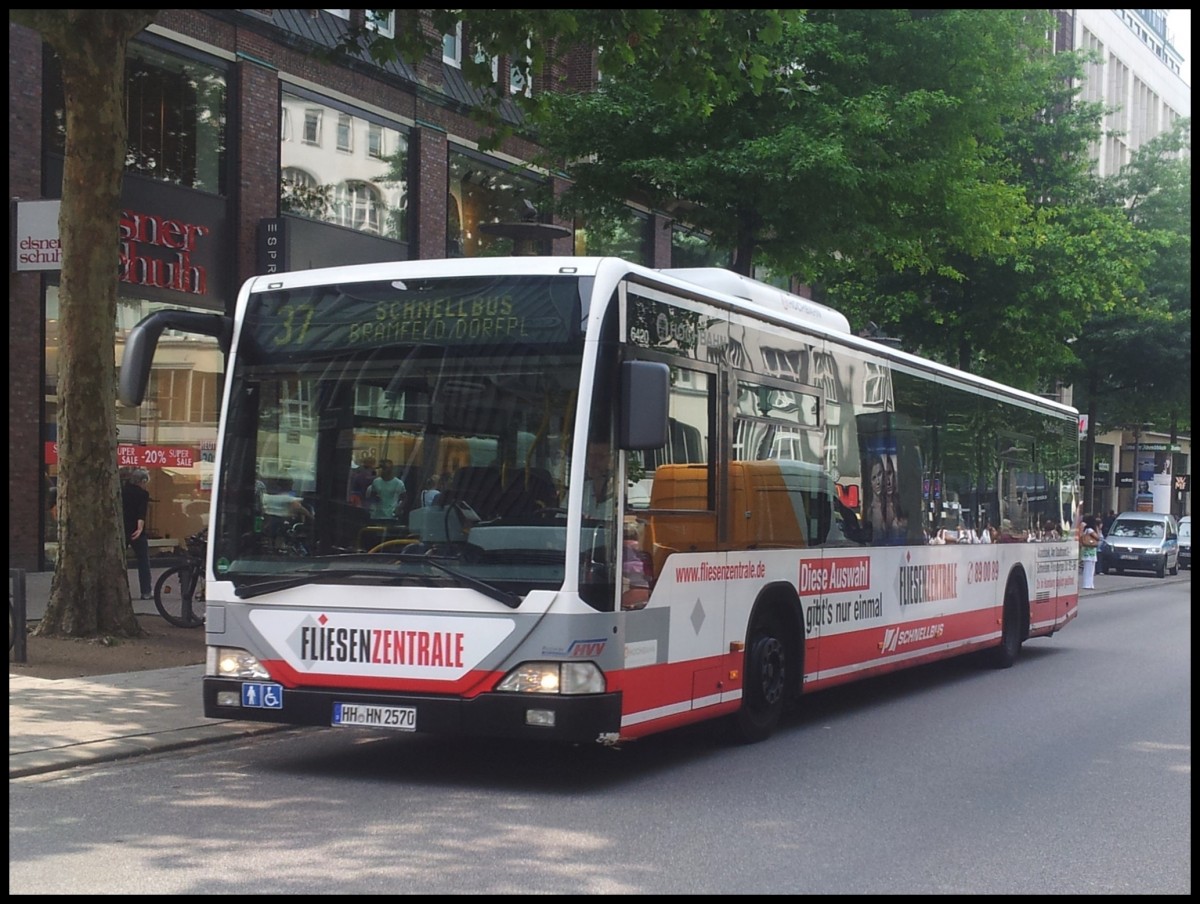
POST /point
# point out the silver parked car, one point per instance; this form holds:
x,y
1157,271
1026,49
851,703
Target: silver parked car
x,y
1140,541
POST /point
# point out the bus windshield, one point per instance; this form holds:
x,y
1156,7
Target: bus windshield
x,y
402,433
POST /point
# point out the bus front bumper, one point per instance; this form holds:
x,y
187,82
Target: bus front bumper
x,y
577,719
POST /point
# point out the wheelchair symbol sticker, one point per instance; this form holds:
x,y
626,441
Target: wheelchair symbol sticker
x,y
262,696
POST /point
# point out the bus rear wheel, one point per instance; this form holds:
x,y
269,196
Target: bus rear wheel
x,y
764,684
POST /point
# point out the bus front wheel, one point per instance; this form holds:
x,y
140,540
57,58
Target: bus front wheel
x,y
764,683
1011,629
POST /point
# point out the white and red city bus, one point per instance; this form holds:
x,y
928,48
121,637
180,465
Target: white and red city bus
x,y
632,499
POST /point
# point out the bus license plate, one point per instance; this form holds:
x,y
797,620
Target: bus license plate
x,y
363,715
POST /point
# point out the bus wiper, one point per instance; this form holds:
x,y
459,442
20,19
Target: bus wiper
x,y
258,588
501,596
248,591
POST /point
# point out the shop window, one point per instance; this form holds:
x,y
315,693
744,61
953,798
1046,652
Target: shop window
x,y
695,249
482,193
172,434
627,237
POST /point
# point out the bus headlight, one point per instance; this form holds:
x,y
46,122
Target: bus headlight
x,y
554,678
230,662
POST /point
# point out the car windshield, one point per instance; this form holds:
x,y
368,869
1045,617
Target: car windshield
x,y
1185,531
1143,530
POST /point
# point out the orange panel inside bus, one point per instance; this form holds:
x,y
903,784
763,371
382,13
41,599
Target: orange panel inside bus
x,y
767,509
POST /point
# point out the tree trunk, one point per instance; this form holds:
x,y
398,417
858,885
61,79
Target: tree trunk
x,y
89,594
743,254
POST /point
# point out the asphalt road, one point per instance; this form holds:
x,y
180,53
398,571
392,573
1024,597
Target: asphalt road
x,y
1067,774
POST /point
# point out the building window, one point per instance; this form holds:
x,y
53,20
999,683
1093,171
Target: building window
x,y
175,113
875,382
359,206
493,63
375,145
824,374
312,126
520,76
452,47
384,24
374,19
368,192
781,362
302,194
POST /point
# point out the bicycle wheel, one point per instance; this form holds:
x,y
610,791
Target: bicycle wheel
x,y
179,596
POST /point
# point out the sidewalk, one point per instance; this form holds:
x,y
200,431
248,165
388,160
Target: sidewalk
x,y
58,724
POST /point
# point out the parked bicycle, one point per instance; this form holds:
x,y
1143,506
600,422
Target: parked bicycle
x,y
179,593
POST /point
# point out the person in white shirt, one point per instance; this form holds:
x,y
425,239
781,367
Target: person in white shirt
x,y
386,493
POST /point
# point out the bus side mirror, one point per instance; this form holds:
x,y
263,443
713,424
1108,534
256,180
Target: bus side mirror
x,y
143,340
645,388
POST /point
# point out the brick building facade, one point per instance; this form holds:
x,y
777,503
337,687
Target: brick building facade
x,y
258,55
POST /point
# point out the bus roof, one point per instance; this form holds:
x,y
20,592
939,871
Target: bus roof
x,y
731,290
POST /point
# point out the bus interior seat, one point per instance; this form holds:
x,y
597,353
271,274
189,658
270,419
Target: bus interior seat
x,y
529,490
479,487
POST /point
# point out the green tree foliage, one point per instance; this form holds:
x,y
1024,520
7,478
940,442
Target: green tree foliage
x,y
1013,311
869,137
702,57
89,593
1134,361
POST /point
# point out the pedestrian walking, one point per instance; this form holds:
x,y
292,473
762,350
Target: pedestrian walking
x,y
135,506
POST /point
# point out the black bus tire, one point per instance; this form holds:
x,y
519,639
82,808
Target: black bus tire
x,y
764,684
1004,655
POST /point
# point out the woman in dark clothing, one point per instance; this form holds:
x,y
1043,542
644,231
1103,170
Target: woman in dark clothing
x,y
135,503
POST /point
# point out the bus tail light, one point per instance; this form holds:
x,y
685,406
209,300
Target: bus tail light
x,y
554,678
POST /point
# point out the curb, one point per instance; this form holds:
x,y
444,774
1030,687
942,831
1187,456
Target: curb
x,y
55,759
